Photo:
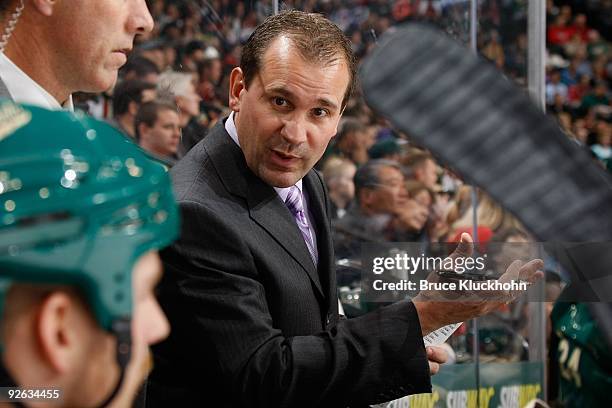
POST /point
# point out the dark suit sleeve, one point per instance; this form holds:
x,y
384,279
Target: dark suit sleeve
x,y
217,304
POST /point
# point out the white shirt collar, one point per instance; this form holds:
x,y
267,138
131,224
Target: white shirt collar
x,y
24,89
230,127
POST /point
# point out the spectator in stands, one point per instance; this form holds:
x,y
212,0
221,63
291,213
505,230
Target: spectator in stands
x,y
584,64
516,61
170,55
600,68
569,75
388,149
436,228
494,51
353,141
421,166
382,210
580,131
565,121
490,216
153,50
210,72
558,107
597,46
555,87
420,193
603,147
61,47
597,97
141,68
180,86
158,130
193,54
559,33
579,90
127,98
338,176
580,28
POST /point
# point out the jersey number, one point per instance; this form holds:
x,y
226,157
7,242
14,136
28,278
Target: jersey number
x,y
569,371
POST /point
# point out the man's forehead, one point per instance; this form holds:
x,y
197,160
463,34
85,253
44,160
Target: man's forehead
x,y
283,67
168,113
390,172
284,49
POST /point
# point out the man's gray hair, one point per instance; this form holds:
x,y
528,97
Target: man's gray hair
x,y
172,84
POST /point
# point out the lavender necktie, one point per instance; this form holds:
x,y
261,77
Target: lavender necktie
x,y
294,203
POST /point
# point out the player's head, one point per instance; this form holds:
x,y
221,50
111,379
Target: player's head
x,y
82,214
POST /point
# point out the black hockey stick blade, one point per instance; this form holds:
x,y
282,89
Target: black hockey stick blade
x,y
476,121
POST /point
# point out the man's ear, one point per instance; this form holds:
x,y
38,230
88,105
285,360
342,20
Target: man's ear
x,y
365,195
417,172
45,7
132,108
57,332
237,85
143,132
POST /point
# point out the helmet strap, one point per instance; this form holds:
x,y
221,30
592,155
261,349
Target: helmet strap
x,y
122,331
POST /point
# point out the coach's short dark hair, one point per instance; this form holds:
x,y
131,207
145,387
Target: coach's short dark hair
x,y
316,39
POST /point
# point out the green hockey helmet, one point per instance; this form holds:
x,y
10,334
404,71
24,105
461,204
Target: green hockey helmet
x,y
79,203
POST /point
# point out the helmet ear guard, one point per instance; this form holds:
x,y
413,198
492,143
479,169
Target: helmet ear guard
x,y
79,204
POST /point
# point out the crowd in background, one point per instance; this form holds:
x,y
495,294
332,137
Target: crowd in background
x,y
382,187
174,88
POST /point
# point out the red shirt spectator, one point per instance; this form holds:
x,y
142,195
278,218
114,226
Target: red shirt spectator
x,y
580,27
560,33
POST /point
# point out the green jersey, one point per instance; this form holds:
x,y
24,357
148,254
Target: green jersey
x,y
583,357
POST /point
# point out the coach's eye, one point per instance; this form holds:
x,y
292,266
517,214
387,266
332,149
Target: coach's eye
x,y
320,112
278,101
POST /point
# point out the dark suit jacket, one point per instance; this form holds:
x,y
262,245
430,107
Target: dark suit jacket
x,y
254,323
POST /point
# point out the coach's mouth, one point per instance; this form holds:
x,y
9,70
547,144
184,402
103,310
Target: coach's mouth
x,y
283,159
125,51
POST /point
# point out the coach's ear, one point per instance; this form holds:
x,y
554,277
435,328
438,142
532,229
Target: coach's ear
x,y
45,7
236,88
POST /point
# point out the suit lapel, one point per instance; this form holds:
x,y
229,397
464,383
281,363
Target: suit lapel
x,y
267,210
265,206
317,204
